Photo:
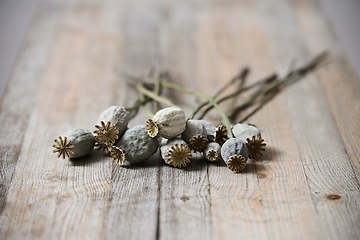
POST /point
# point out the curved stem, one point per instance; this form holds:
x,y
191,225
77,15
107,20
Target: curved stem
x,y
153,96
225,119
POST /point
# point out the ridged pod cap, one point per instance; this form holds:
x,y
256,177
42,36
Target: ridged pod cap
x,y
176,153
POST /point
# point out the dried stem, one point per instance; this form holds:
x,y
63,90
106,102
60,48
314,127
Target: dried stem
x,y
266,80
240,76
225,119
271,91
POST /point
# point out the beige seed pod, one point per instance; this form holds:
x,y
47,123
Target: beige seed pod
x,y
117,116
74,143
170,121
212,152
176,153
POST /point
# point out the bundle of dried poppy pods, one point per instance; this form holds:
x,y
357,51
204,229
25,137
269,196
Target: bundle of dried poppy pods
x,y
177,138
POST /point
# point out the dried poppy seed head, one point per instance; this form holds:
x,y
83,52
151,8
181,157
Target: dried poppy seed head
x,y
198,143
117,116
179,155
212,152
256,146
117,155
234,147
63,147
170,121
212,155
220,135
210,129
236,163
244,131
137,145
74,143
152,128
193,128
106,134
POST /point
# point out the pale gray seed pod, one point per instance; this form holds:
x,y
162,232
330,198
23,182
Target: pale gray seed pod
x,y
171,122
210,129
195,135
117,116
244,131
176,153
137,145
234,152
83,141
212,152
193,128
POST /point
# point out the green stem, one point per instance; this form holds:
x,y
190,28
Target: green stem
x,y
153,96
225,119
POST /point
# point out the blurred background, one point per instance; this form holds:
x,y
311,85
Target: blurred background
x,y
16,15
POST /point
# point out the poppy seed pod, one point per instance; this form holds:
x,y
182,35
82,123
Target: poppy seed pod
x,y
176,153
212,152
137,145
74,143
244,131
117,116
235,154
170,122
195,135
210,129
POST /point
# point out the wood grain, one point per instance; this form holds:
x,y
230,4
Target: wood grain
x,y
306,186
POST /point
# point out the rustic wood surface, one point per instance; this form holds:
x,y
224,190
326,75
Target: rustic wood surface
x,y
306,186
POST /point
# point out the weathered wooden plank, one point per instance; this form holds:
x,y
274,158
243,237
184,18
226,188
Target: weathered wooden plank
x,y
68,73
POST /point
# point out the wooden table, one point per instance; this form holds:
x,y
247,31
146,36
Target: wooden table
x,y
306,186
